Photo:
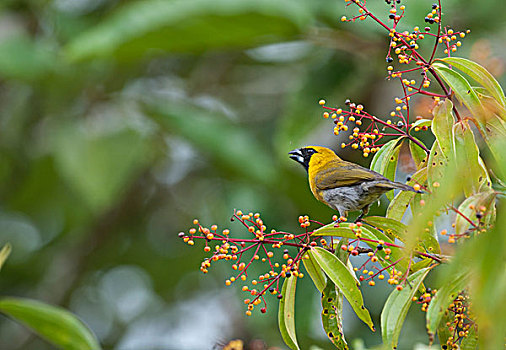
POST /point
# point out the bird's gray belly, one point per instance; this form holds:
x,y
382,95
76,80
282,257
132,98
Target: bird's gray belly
x,y
351,198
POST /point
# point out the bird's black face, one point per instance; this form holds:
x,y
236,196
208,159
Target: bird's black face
x,y
302,155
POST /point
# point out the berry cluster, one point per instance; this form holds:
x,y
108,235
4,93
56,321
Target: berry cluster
x,y
461,321
243,252
425,298
270,250
369,139
404,46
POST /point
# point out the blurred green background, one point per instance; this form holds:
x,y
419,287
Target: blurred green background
x,y
121,121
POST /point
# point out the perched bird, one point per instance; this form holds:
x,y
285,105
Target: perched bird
x,y
342,185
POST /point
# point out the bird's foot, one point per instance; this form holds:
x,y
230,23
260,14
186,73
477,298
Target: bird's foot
x,y
362,214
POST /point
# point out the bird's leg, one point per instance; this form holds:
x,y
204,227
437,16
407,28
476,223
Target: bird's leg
x,y
364,212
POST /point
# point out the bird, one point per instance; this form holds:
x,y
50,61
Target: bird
x,y
344,186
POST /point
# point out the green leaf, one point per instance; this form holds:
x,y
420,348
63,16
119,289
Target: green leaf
x,y
347,283
332,309
56,325
480,74
314,271
490,104
425,262
462,89
158,27
387,148
286,314
470,342
428,237
4,253
418,154
443,333
468,154
420,122
397,229
493,132
486,199
442,127
443,298
367,233
391,227
396,308
401,201
343,230
385,161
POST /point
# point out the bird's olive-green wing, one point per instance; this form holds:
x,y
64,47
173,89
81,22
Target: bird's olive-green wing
x,y
340,173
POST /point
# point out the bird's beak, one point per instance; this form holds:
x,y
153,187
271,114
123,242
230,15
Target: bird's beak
x,y
296,155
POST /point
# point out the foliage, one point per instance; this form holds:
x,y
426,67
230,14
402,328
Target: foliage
x,y
452,311
122,119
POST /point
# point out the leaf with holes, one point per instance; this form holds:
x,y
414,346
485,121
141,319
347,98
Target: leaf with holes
x,y
436,167
442,127
468,156
480,74
332,310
